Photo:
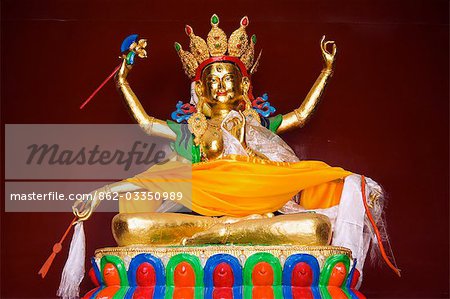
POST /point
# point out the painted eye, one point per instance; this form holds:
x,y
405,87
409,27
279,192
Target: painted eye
x,y
229,78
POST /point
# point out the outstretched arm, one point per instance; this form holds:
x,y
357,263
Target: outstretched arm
x,y
149,124
298,117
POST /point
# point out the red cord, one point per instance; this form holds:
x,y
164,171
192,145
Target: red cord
x,y
56,249
100,86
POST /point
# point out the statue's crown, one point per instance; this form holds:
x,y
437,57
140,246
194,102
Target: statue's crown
x,y
237,49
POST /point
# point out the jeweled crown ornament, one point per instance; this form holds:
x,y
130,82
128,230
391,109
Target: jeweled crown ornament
x,y
237,49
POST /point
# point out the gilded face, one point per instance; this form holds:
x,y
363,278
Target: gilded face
x,y
222,83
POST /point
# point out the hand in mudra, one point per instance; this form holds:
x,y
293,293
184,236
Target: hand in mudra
x,y
83,209
236,126
328,56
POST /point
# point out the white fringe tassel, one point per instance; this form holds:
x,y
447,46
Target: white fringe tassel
x,y
73,272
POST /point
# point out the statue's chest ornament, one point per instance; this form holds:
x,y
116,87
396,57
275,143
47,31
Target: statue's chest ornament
x,y
198,125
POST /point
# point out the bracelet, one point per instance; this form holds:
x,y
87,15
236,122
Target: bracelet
x,y
297,114
148,127
327,71
120,83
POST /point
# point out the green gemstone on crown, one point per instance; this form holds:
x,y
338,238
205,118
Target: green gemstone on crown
x,y
177,47
215,19
254,38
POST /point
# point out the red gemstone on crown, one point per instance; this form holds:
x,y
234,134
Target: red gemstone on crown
x,y
244,21
188,29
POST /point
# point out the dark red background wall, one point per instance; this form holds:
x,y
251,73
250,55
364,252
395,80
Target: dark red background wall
x,y
385,113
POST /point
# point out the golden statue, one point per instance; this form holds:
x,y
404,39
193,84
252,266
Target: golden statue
x,y
239,171
235,173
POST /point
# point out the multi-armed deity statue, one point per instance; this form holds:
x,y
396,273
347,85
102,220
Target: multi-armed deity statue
x,y
266,225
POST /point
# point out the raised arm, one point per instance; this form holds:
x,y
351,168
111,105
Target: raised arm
x,y
299,117
149,124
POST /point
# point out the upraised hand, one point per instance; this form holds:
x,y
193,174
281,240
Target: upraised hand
x,y
236,127
130,48
329,57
